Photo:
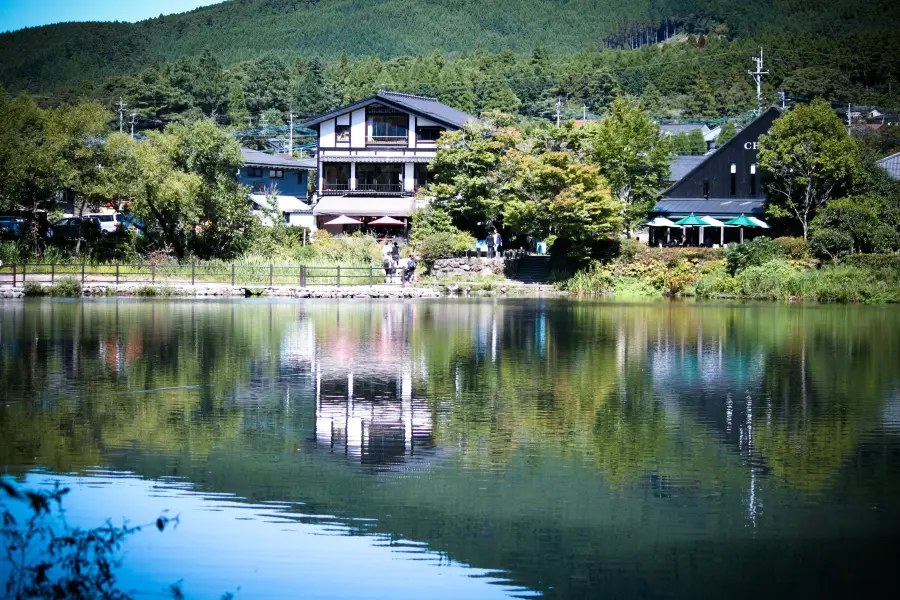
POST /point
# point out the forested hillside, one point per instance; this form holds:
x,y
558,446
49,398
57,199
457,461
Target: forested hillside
x,y
60,56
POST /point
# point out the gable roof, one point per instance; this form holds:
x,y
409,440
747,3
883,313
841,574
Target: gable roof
x,y
423,106
774,110
255,158
891,164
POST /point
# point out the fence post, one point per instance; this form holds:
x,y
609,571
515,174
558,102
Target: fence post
x,y
302,275
152,273
193,273
52,272
24,272
232,274
339,276
117,273
371,276
14,274
271,275
82,271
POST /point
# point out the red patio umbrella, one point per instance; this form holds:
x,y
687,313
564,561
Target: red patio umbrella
x,y
388,222
343,220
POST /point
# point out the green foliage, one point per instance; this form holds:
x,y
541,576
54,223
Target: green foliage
x,y
443,244
717,284
873,261
679,277
864,224
793,248
33,289
594,279
147,291
66,287
772,280
633,157
729,130
554,198
689,143
47,558
810,156
430,220
753,253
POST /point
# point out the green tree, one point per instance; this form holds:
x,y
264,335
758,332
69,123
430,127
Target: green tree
x,y
268,85
210,86
310,97
810,157
555,198
729,130
467,171
632,155
26,167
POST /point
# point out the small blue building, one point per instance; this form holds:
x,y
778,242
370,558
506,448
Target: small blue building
x,y
282,177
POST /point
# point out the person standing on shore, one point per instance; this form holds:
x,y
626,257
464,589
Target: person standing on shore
x,y
490,244
497,241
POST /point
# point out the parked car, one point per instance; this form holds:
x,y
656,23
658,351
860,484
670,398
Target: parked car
x,y
72,228
11,227
109,222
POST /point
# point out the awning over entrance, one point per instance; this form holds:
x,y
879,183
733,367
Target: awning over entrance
x,y
676,208
363,206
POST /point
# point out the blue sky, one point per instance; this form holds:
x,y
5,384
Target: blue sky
x,y
16,14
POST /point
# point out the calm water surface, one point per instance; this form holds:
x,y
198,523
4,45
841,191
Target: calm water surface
x,y
468,449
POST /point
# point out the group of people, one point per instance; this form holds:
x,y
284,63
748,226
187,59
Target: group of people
x,y
390,259
493,242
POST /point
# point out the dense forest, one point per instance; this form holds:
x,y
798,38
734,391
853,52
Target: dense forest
x,y
686,59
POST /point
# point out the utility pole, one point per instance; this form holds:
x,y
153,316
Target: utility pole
x,y
133,117
783,97
757,77
849,118
122,105
558,109
291,134
584,112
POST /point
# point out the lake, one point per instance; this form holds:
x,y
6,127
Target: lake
x,y
455,448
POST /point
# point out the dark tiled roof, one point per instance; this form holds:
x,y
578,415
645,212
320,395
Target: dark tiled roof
x,y
255,158
684,164
713,207
891,164
430,108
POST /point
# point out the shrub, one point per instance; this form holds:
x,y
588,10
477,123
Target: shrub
x,y
34,289
873,261
631,249
754,253
831,243
595,279
679,277
67,287
774,280
444,244
430,220
885,239
793,247
717,284
147,291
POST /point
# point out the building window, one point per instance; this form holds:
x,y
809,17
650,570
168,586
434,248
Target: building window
x,y
387,127
276,174
428,134
259,187
342,133
706,188
734,179
753,179
335,177
254,172
421,175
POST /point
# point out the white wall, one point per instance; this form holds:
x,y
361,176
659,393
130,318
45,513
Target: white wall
x,y
412,131
358,129
408,174
326,133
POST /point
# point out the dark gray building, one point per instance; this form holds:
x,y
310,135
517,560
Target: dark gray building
x,y
726,183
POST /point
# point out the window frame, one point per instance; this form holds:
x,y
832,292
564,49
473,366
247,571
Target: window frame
x,y
276,173
341,134
255,172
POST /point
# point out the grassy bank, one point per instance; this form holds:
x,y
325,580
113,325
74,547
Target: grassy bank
x,y
764,270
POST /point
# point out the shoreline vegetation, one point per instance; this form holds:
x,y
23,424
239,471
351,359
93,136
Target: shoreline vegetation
x,y
783,269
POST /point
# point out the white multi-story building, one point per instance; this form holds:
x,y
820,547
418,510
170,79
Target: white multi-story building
x,y
373,154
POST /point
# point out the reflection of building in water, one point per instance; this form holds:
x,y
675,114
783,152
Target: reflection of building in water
x,y
374,418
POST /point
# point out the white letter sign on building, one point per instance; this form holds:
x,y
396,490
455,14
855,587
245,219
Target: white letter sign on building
x,y
751,145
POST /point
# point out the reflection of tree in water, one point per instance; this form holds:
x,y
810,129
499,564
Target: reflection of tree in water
x,y
561,427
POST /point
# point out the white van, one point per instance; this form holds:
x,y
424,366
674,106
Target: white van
x,y
109,222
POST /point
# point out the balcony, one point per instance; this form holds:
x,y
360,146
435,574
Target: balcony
x,y
387,140
366,189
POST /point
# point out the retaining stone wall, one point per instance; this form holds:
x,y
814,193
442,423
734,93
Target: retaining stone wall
x,y
455,267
